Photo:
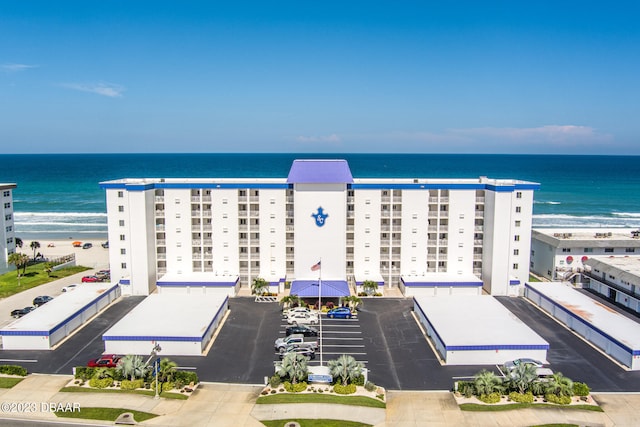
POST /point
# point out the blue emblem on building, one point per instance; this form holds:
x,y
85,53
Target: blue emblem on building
x,y
320,217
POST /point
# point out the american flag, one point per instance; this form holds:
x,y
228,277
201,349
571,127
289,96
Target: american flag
x,y
315,267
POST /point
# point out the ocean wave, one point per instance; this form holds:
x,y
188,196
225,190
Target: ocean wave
x,y
542,202
627,214
60,214
61,224
587,221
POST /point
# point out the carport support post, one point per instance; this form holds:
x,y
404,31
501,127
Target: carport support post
x,y
320,306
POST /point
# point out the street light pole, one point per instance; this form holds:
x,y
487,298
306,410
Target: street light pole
x,y
320,306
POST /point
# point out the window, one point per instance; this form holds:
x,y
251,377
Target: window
x,y
608,250
518,195
7,217
629,250
367,216
178,258
7,205
178,215
177,201
566,249
120,194
518,209
367,230
225,201
367,202
366,259
123,265
10,240
461,216
178,244
516,238
121,223
6,193
460,245
588,250
9,228
120,208
460,258
273,230
515,266
517,223
123,251
516,252
366,245
122,238
272,201
461,231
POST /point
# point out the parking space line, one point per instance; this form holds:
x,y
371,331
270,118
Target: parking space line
x,y
342,339
342,345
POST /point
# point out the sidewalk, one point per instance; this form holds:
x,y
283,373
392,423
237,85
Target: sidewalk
x,y
220,405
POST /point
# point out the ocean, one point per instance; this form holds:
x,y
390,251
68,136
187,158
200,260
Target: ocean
x,y
58,195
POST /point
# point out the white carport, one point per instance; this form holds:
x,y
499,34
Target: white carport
x,y
198,283
50,323
477,330
431,284
183,324
610,331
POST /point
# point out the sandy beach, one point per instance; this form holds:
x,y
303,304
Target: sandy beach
x,y
95,257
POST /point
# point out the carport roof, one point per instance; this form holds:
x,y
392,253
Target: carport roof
x,y
330,288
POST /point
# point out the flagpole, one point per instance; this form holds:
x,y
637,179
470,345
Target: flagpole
x,y
320,306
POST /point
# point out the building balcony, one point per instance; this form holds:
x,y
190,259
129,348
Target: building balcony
x,y
161,257
289,242
479,213
242,214
159,199
479,228
206,198
195,199
159,213
196,255
196,242
255,199
479,199
161,242
385,199
243,242
432,257
432,214
196,213
477,242
208,255
162,270
207,242
477,257
159,227
195,227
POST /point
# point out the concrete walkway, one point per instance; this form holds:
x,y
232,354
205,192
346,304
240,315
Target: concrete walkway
x,y
219,405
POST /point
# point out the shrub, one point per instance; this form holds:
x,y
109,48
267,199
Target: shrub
x,y
560,400
490,398
358,381
101,383
295,388
275,381
466,388
84,373
344,389
330,305
369,386
131,385
521,398
186,377
167,386
580,389
13,370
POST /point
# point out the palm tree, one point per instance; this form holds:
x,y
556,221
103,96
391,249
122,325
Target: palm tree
x,y
294,366
560,385
166,370
34,246
369,287
20,261
345,367
353,301
19,242
522,377
48,268
259,286
288,301
487,382
101,373
132,366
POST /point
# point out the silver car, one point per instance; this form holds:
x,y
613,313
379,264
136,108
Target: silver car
x,y
512,364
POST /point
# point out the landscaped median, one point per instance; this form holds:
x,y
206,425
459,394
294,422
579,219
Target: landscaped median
x,y
10,375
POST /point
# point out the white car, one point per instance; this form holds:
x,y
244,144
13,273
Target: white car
x,y
291,311
69,288
302,319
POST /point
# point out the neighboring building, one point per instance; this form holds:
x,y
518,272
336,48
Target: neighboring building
x,y
397,232
617,278
557,254
7,228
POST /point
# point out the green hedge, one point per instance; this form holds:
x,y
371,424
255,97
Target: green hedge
x,y
521,398
275,381
131,385
580,389
369,386
560,400
490,398
295,388
103,383
13,370
344,389
186,377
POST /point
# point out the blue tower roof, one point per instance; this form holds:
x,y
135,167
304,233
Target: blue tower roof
x,y
320,172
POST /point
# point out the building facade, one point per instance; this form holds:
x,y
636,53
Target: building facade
x,y
7,228
391,231
559,254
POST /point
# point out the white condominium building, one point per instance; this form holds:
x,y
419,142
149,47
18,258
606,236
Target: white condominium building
x,y
7,231
422,235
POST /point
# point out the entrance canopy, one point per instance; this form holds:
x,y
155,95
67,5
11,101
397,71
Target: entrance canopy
x,y
310,288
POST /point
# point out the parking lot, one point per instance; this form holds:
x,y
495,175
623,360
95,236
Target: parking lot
x,y
385,337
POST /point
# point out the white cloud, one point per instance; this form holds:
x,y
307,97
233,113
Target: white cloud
x,y
105,89
333,138
556,134
14,68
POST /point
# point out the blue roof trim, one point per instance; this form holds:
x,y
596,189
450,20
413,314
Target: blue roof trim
x,y
498,347
198,284
514,282
224,305
320,172
444,186
477,283
330,288
589,325
148,338
192,185
25,333
125,282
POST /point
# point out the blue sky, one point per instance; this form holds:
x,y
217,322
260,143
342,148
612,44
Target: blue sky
x,y
310,76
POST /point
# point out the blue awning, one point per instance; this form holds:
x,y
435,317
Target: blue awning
x,y
330,288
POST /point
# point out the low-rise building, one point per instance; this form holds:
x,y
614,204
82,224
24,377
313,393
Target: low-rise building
x,y
616,278
7,228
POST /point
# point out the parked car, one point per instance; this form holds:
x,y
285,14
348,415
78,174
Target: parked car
x,y
69,288
105,244
305,330
290,311
102,275
512,364
87,245
105,361
340,313
305,351
296,340
91,279
76,244
19,312
42,299
302,319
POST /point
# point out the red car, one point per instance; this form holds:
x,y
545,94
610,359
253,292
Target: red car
x,y
105,361
91,279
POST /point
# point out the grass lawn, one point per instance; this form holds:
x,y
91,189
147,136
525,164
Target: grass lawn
x,y
512,406
533,278
8,382
320,398
34,276
314,423
106,414
165,394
